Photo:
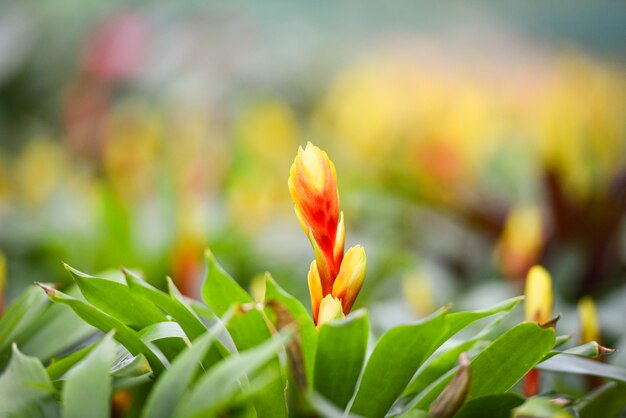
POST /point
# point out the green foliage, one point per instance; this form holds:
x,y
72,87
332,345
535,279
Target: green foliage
x,y
239,357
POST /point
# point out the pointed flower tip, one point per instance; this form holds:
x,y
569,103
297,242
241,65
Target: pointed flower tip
x,y
605,350
551,323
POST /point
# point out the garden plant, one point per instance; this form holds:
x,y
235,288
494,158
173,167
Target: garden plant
x,y
116,345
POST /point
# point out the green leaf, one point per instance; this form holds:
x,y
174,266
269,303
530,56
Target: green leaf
x,y
492,406
55,331
23,385
125,335
445,361
171,386
459,320
58,368
567,363
117,300
173,304
541,407
215,388
606,401
19,316
248,328
396,357
340,356
306,327
502,364
87,389
162,330
589,350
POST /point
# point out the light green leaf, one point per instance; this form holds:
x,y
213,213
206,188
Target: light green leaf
x,y
307,330
221,383
567,363
117,300
589,350
340,356
459,320
24,385
106,323
54,332
492,406
396,357
87,389
16,318
174,305
171,386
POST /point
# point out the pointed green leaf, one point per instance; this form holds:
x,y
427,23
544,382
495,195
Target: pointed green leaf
x,y
87,389
502,364
106,323
459,320
172,304
23,385
59,367
396,357
117,300
216,387
171,386
567,363
340,356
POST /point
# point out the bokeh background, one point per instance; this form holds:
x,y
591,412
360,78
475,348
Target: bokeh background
x,y
471,142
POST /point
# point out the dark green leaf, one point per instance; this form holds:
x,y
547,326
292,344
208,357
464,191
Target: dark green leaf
x,y
340,354
396,357
492,406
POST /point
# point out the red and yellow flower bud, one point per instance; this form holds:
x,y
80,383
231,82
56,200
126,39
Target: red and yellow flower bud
x,y
334,279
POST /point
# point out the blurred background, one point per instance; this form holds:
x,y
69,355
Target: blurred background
x,y
470,141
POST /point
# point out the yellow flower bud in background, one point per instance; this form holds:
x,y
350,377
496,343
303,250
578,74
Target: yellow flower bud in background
x,y
589,324
538,295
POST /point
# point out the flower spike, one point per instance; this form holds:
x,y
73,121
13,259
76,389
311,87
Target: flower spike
x,y
334,279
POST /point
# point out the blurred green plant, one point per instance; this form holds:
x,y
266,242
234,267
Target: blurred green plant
x,y
119,346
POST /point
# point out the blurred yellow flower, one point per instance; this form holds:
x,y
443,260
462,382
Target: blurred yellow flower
x,y
538,305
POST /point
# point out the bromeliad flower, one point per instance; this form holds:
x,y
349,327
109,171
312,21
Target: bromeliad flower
x,y
334,278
